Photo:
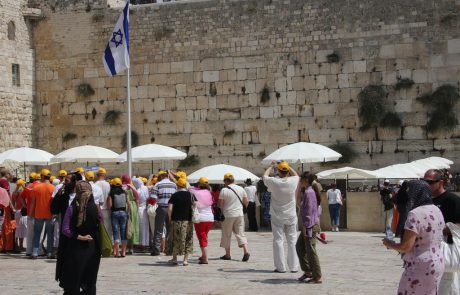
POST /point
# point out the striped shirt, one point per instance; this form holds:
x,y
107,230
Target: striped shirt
x,y
162,192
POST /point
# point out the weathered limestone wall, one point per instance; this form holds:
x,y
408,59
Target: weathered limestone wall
x,y
199,68
15,101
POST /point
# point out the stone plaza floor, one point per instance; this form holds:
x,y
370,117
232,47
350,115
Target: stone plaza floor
x,y
352,263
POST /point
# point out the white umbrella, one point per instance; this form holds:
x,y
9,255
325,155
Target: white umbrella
x,y
215,174
26,156
303,152
86,153
154,152
400,171
348,173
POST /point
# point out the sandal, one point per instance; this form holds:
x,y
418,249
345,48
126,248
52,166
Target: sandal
x,y
314,281
172,261
202,262
225,257
185,263
304,277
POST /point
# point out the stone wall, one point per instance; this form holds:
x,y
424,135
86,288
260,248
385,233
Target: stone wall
x,y
15,101
199,69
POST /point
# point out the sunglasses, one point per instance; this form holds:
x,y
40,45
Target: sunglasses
x,y
430,181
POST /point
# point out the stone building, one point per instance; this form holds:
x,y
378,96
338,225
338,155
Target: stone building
x,y
229,81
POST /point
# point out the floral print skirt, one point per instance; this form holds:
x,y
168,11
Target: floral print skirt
x,y
182,237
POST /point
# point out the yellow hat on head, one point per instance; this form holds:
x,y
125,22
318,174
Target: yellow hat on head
x,y
89,175
79,170
116,181
62,173
101,171
33,175
181,174
203,181
144,180
228,176
45,172
283,166
20,182
161,172
52,178
182,182
154,180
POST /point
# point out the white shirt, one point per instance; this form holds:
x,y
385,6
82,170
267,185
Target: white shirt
x,y
56,189
251,192
232,206
105,187
97,193
283,203
332,195
71,197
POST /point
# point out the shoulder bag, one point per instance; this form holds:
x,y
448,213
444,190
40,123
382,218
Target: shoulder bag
x,y
245,210
195,212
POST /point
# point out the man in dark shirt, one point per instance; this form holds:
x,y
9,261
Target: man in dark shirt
x,y
449,204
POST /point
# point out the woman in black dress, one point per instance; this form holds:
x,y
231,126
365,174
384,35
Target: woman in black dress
x,y
82,256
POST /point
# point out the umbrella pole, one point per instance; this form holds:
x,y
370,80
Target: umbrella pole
x,y
24,170
152,166
302,167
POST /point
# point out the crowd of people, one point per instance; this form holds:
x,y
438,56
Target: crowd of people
x,y
161,214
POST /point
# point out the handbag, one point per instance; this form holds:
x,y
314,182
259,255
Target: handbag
x,y
245,210
152,210
339,198
129,230
106,242
452,251
195,212
218,214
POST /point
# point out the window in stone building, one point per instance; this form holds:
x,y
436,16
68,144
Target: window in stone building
x,y
11,31
15,75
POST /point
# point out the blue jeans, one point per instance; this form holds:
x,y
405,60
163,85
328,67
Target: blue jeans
x,y
49,228
119,224
334,212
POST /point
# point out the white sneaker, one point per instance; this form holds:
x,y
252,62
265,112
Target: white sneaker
x,y
336,229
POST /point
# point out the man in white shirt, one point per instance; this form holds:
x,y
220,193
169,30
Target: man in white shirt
x,y
283,215
97,192
105,187
232,199
251,192
334,198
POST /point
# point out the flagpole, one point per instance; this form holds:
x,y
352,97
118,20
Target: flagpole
x,y
128,151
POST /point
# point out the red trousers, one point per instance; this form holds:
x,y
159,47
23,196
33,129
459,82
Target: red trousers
x,y
202,230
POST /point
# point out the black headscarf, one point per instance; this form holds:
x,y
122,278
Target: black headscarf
x,y
412,194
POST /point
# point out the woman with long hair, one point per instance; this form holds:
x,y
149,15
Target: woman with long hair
x,y
203,203
83,254
306,243
133,198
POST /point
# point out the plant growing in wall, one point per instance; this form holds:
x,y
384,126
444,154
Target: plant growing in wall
x,y
134,140
371,106
111,117
68,137
347,152
265,94
391,120
191,160
163,32
98,16
228,133
441,102
84,90
333,57
404,83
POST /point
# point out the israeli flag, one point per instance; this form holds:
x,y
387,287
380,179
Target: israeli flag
x,y
116,55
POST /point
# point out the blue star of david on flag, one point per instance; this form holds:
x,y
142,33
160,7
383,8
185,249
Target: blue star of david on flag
x,y
115,39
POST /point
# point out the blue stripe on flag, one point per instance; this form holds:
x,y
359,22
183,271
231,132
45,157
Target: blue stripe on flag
x,y
109,60
126,24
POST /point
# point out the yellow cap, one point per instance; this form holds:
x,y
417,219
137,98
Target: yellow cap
x,y
33,175
62,173
101,171
182,182
144,180
283,166
45,172
162,172
52,178
203,181
154,180
181,174
89,175
79,170
20,182
116,181
228,176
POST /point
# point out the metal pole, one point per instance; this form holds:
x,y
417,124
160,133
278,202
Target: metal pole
x,y
128,134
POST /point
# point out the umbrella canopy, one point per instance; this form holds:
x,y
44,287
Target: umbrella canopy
x,y
414,169
348,172
215,174
26,156
303,152
86,153
154,152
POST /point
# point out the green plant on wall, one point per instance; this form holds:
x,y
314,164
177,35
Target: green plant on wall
x,y
404,83
371,106
441,103
191,160
84,90
391,120
134,140
333,57
163,32
111,117
347,152
69,136
265,94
